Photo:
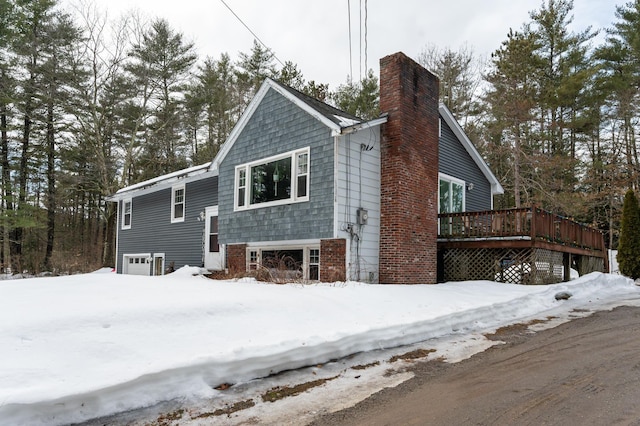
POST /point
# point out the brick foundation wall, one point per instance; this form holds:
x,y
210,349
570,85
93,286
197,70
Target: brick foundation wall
x,y
237,258
409,172
333,260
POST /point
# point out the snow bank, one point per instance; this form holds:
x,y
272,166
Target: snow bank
x,y
79,347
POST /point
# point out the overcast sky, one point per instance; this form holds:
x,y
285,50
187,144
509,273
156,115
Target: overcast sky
x,y
315,34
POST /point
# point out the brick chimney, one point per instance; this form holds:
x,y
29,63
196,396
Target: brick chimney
x,y
409,172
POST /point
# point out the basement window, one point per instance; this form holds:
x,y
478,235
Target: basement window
x,y
286,264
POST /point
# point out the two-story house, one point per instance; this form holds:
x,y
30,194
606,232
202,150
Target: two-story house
x,y
302,184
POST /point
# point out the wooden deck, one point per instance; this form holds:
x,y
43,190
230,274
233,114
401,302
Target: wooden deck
x,y
530,239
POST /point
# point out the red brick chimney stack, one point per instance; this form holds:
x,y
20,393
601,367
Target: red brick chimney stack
x,y
409,172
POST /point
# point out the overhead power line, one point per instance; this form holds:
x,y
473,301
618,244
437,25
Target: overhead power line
x,y
350,55
363,39
366,15
252,33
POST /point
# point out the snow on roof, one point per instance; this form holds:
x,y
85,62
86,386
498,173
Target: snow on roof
x,y
168,178
345,121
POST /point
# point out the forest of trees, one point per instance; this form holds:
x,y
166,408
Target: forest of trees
x,y
89,105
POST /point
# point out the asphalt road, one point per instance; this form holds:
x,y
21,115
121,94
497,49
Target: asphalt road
x,y
584,372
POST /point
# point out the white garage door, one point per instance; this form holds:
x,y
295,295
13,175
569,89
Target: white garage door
x,y
137,264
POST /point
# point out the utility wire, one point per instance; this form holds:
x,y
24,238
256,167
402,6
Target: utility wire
x,y
350,55
366,15
360,47
252,33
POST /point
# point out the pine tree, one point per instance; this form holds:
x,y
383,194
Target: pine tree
x,y
361,99
290,75
164,60
563,83
459,73
511,101
629,245
252,69
6,87
216,90
620,69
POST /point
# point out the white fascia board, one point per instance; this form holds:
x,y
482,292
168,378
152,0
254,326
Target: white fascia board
x,y
283,243
160,183
496,188
171,175
304,106
365,125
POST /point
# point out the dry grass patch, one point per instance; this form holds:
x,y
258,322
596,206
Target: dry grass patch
x,y
417,354
227,411
281,392
365,366
168,418
519,328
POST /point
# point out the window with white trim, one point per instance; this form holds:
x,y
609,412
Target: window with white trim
x,y
451,199
286,263
177,203
314,264
254,260
214,246
302,162
126,213
281,179
451,195
242,187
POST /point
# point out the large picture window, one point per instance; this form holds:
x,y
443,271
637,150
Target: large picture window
x,y
276,180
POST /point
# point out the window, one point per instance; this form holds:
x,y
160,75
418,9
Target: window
x,y
451,195
214,247
286,264
451,200
303,170
314,264
281,179
126,214
177,204
242,186
254,261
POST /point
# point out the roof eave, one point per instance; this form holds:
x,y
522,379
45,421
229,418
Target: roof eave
x,y
364,125
163,182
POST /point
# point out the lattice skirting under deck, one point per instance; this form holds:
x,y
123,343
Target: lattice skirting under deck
x,y
520,266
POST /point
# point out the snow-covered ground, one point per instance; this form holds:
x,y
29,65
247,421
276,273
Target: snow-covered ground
x,y
79,347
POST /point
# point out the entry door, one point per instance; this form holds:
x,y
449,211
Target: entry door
x,y
158,264
213,252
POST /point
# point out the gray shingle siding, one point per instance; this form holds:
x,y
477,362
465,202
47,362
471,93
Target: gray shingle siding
x,y
278,126
455,161
152,231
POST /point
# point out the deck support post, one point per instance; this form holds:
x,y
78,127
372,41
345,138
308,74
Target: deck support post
x,y
566,263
